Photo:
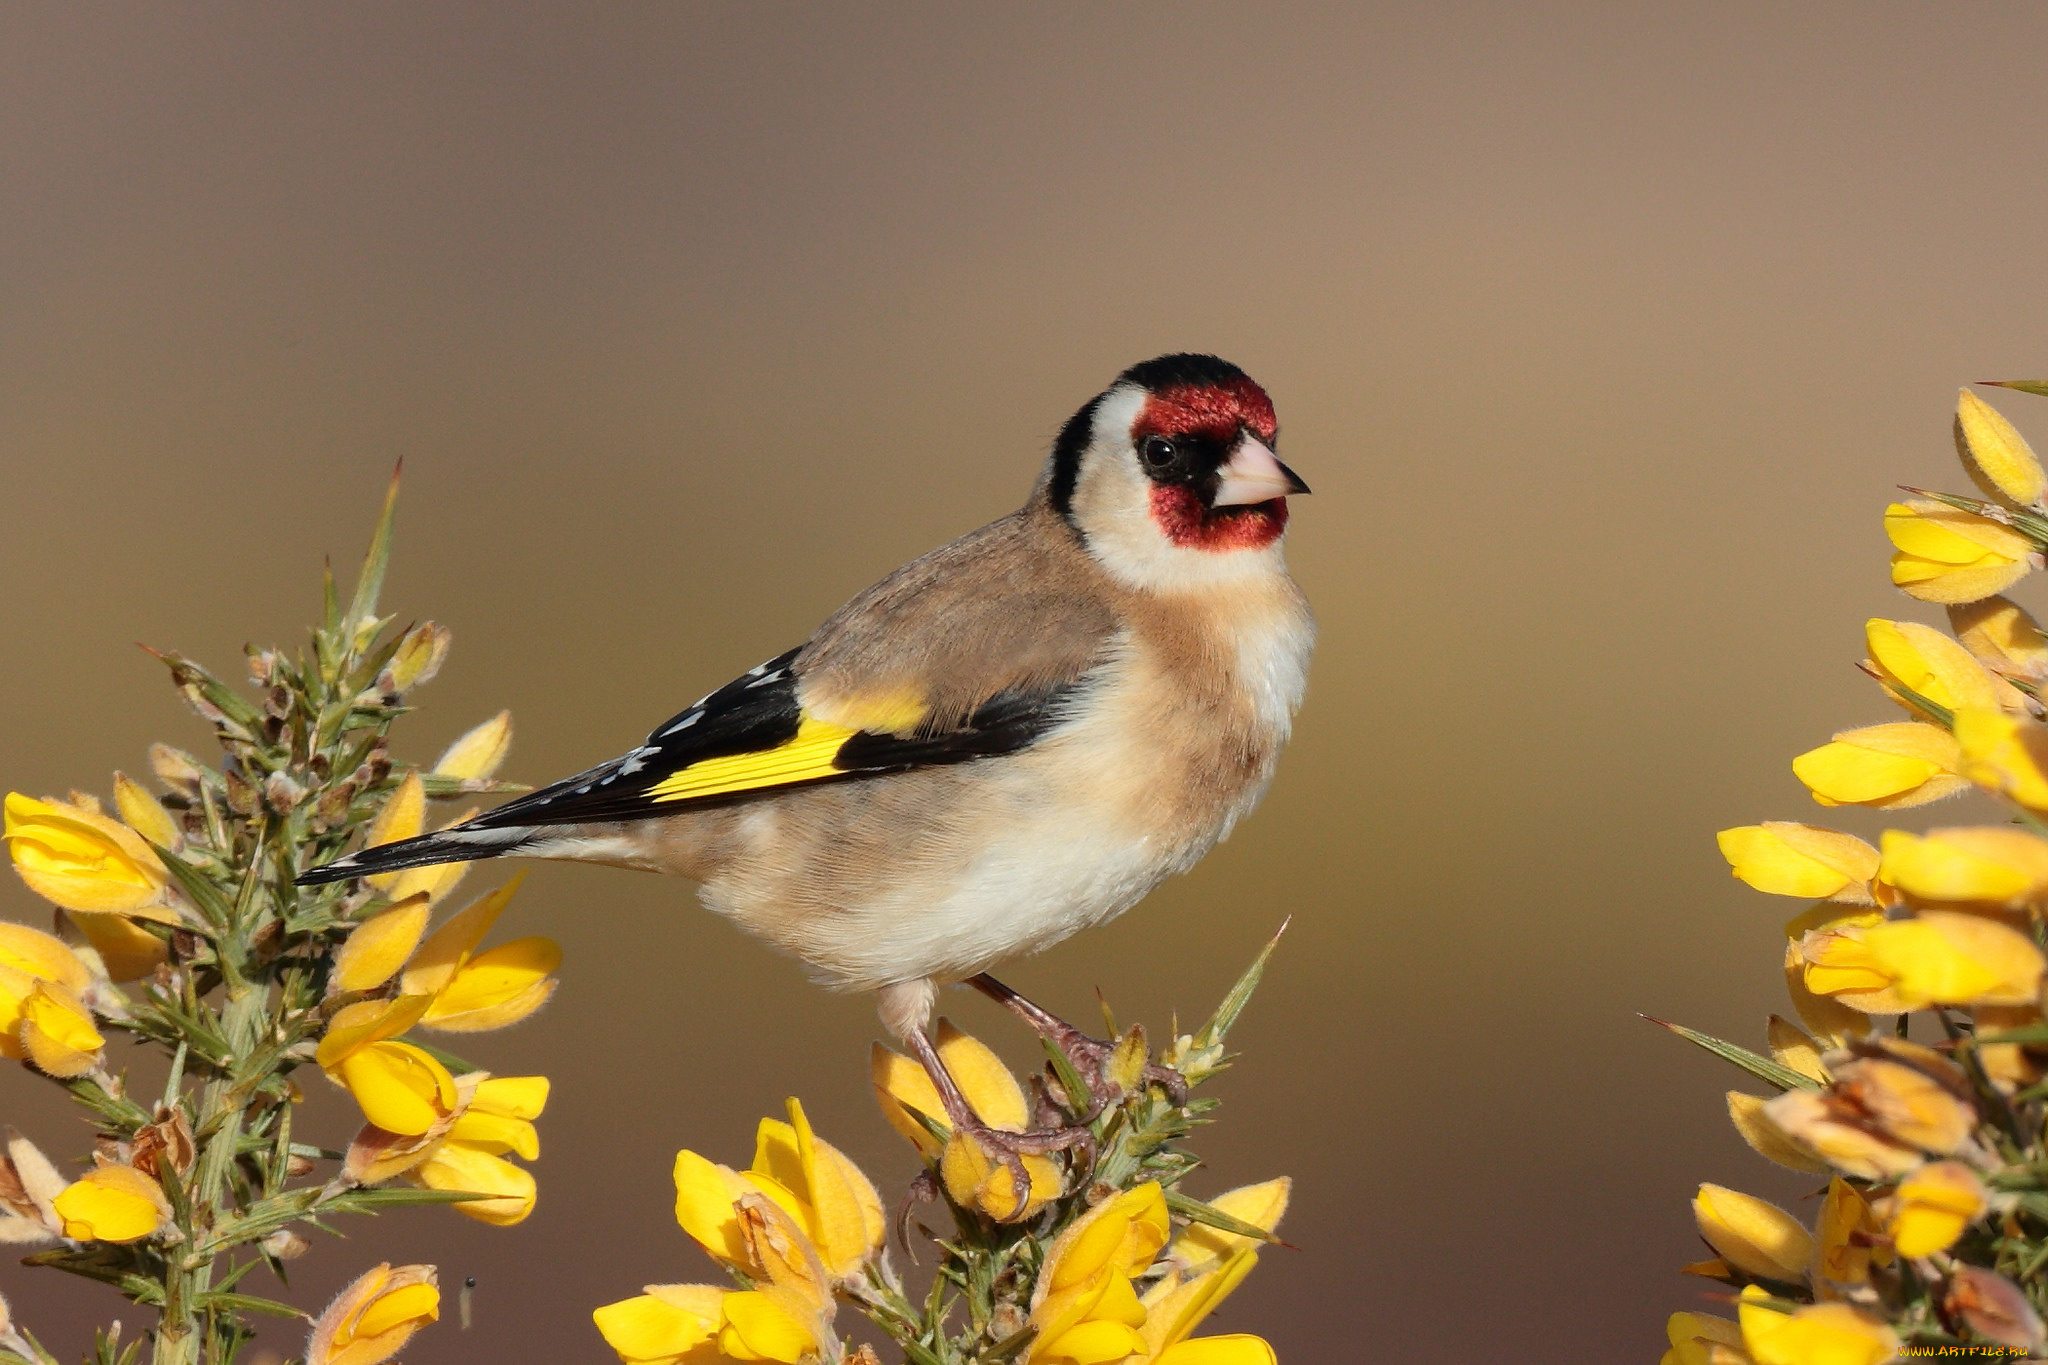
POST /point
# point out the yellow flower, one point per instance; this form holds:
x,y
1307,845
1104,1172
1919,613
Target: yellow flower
x,y
1941,957
697,1324
1883,1111
1907,654
1905,763
1843,1235
1176,1306
469,991
973,1179
80,859
478,753
1754,1237
1836,962
112,1204
1701,1339
370,1321
670,1324
1841,1134
472,1167
494,1116
1933,1206
824,1196
1083,1305
2004,754
401,1088
27,957
57,1032
1765,1138
1789,859
1820,1334
1997,457
1988,865
1830,1021
1948,555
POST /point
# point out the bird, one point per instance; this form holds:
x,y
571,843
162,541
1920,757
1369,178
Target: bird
x,y
1004,742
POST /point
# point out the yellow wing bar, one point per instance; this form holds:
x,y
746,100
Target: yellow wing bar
x,y
808,755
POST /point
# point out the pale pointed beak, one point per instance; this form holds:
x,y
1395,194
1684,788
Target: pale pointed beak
x,y
1254,474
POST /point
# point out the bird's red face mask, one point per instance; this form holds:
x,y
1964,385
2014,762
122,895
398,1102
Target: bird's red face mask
x,y
1208,451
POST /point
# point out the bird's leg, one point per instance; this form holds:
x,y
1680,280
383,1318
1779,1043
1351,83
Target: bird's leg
x,y
1005,1146
1089,1056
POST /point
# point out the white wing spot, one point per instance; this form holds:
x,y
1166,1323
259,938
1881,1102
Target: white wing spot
x,y
685,723
764,679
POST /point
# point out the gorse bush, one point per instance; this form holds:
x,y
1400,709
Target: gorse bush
x,y
1914,1086
178,923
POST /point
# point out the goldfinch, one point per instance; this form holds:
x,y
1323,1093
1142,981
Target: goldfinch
x,y
1006,741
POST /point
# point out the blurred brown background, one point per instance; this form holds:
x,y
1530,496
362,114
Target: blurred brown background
x,y
1602,332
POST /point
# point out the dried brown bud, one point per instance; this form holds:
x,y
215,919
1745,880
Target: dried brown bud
x,y
282,793
166,1141
262,663
285,1245
1994,1307
296,1166
242,799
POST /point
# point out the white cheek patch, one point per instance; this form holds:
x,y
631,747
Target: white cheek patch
x,y
1112,506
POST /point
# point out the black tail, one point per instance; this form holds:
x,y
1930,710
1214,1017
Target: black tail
x,y
443,846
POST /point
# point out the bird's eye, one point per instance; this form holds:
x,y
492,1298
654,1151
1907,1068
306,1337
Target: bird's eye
x,y
1158,452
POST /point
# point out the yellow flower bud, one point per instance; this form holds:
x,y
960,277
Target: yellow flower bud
x,y
1694,1338
1991,865
2008,1066
1789,859
418,657
1176,1305
973,1178
1906,763
1946,958
1200,1246
1820,1334
112,1204
80,859
128,951
1994,453
1790,1046
378,947
144,813
478,752
370,1321
1932,1207
1766,1139
1948,555
1754,1237
1923,659
2005,754
2002,636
